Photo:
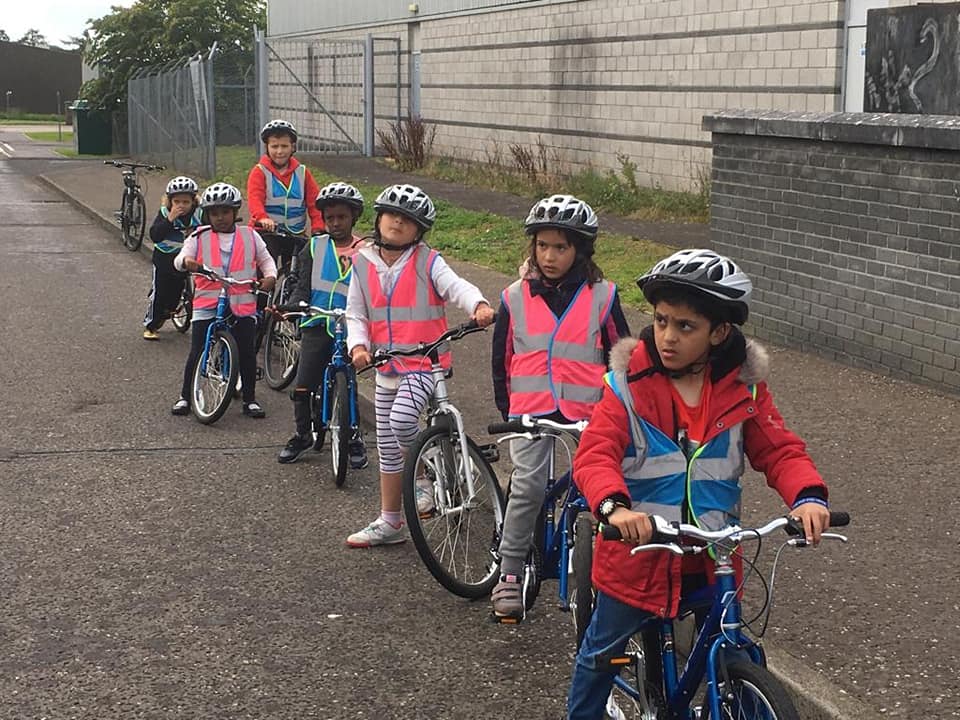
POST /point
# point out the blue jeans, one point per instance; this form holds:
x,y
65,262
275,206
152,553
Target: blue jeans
x,y
612,625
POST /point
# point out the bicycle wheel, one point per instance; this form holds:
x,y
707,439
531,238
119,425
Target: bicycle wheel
x,y
181,316
339,427
458,544
135,214
533,568
625,701
750,692
581,598
213,385
281,346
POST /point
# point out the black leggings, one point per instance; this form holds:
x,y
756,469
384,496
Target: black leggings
x,y
244,332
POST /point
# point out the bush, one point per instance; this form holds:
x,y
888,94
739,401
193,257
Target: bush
x,y
409,143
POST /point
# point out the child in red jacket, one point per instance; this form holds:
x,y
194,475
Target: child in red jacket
x,y
681,407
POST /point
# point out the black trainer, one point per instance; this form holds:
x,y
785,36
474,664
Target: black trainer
x,y
358,454
253,409
296,446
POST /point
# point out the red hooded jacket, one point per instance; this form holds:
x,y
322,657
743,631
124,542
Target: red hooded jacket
x,y
257,190
651,581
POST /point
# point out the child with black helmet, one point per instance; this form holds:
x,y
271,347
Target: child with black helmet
x,y
178,216
554,331
397,296
323,276
682,406
237,251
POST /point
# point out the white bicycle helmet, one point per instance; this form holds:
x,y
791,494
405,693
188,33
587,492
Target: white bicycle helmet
x,y
564,212
340,192
706,272
410,201
276,127
221,195
182,184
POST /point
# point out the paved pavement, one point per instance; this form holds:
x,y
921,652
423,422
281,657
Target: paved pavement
x,y
157,568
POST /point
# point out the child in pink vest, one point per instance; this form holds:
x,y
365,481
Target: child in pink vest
x,y
553,335
398,275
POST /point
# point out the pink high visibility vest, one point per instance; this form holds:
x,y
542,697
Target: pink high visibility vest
x,y
243,266
557,364
411,313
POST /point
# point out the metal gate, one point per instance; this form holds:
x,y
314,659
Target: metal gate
x,y
327,88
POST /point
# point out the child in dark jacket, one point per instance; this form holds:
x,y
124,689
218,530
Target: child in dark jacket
x,y
681,407
178,216
553,333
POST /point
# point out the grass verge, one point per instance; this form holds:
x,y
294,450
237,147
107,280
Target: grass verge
x,y
51,136
484,238
17,118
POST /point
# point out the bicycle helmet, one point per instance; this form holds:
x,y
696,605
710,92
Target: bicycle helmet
x,y
182,184
340,192
706,272
278,127
221,195
410,201
564,212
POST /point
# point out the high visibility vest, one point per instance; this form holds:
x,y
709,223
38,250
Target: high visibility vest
x,y
411,313
285,204
660,477
243,266
174,240
328,280
558,364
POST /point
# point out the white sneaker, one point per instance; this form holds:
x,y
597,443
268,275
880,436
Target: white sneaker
x,y
379,532
424,494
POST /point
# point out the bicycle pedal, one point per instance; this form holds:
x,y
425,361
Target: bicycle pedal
x,y
490,452
504,620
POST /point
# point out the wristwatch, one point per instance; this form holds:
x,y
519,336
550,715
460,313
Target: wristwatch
x,y
608,506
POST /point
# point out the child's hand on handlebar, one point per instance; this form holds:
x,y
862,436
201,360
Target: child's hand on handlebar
x,y
815,518
267,224
267,283
483,314
191,265
634,527
360,357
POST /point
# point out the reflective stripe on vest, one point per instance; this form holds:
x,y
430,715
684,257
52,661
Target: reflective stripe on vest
x,y
328,281
557,363
659,477
243,266
412,312
174,240
285,205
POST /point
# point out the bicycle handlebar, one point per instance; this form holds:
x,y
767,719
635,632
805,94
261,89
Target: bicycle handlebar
x,y
527,423
212,274
305,309
382,357
666,534
133,166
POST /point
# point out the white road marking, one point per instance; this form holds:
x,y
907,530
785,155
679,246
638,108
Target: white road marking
x,y
4,151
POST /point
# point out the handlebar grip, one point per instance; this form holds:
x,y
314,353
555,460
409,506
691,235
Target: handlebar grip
x,y
610,532
839,518
510,426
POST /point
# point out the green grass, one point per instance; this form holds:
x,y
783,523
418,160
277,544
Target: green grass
x,y
484,238
51,136
71,153
18,118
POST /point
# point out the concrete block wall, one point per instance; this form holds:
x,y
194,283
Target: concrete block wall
x,y
848,224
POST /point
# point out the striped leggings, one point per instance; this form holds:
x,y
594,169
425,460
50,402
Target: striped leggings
x,y
398,417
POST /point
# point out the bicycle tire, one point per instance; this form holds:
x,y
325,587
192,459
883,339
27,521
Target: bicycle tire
x,y
436,453
281,348
223,366
180,318
533,567
582,597
623,706
338,428
751,692
135,212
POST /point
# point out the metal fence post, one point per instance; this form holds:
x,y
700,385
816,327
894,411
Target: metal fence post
x,y
262,83
369,117
211,116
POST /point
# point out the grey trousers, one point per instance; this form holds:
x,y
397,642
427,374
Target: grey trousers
x,y
528,483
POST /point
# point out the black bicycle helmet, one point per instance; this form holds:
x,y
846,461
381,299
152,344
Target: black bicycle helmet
x,y
182,184
278,127
410,201
706,272
340,192
563,212
221,195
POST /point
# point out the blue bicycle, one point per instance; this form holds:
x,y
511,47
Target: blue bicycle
x,y
564,517
335,403
215,375
724,661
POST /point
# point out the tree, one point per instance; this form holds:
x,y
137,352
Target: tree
x,y
151,32
4,37
34,38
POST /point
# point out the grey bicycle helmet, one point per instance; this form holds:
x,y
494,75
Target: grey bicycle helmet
x,y
705,272
340,192
278,127
410,201
182,184
564,212
221,195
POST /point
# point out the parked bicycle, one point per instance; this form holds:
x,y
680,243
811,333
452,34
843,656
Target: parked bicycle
x,y
559,523
218,367
281,339
725,673
335,412
132,215
455,526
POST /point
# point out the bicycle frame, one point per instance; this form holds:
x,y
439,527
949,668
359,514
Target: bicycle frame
x,y
219,321
339,363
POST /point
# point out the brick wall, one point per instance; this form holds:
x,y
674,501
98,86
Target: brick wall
x,y
848,225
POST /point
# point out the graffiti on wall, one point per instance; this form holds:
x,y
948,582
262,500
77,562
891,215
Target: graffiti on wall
x,y
913,60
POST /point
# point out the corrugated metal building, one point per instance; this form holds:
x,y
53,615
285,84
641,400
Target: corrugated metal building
x,y
596,79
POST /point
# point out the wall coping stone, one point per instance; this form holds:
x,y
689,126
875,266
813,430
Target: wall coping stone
x,y
940,132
